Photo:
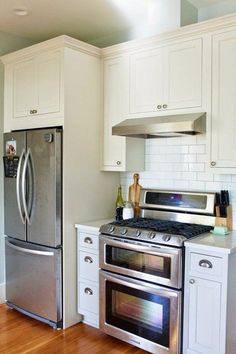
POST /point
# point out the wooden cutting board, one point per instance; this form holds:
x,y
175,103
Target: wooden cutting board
x,y
134,194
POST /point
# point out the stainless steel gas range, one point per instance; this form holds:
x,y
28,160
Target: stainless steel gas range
x,y
141,268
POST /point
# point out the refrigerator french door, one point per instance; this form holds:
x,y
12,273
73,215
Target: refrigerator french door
x,y
32,213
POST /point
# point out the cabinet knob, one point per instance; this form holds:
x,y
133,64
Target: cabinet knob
x,y
191,281
118,163
88,291
88,259
213,163
159,106
165,106
88,240
205,263
33,111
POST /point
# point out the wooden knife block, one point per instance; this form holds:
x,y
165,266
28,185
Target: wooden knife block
x,y
228,221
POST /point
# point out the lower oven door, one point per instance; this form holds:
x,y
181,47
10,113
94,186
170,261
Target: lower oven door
x,y
144,261
140,313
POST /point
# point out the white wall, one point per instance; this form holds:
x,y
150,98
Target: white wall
x,y
8,43
216,10
180,164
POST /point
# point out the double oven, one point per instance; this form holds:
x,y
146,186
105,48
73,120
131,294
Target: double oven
x,y
141,279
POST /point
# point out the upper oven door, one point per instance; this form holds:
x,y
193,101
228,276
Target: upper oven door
x,y
154,263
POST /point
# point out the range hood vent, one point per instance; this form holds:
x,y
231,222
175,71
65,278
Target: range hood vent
x,y
162,127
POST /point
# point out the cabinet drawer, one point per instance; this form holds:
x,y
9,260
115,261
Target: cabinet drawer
x,y
88,298
89,266
89,241
204,264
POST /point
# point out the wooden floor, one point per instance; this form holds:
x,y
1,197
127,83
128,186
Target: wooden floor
x,y
21,334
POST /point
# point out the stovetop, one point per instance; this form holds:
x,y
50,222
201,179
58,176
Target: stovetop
x,y
172,233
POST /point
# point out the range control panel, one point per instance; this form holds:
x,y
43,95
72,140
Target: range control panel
x,y
10,166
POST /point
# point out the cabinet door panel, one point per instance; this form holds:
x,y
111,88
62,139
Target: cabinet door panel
x,y
183,87
146,81
204,316
23,88
223,150
114,97
48,83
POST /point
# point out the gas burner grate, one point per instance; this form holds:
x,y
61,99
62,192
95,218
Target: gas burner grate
x,y
169,227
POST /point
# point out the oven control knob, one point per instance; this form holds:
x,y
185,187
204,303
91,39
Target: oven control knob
x,y
111,228
137,233
124,231
152,235
166,238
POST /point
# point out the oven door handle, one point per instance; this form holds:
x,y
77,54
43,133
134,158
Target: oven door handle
x,y
138,246
140,285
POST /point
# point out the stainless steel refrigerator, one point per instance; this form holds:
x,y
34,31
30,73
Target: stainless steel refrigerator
x,y
33,223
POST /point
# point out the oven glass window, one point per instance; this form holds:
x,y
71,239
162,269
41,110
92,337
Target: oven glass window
x,y
138,312
142,262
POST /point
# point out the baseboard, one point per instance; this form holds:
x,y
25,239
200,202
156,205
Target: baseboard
x,y
2,293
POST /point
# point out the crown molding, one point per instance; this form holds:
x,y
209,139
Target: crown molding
x,y
196,29
52,44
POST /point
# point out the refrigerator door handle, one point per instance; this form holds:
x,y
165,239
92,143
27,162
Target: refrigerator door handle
x,y
31,174
26,250
18,177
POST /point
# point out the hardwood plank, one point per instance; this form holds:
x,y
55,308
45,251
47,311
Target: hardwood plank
x,y
20,334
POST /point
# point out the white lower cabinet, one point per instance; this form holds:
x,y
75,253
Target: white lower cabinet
x,y
209,302
88,271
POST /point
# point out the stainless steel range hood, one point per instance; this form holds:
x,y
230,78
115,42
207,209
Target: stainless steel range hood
x,y
162,127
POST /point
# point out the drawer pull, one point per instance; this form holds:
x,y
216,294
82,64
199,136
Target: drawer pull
x,y
88,240
191,281
88,259
88,291
205,263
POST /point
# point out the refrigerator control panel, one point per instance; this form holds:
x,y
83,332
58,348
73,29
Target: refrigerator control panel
x,y
10,166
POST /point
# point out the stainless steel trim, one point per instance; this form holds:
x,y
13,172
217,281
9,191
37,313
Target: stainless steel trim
x,y
175,254
205,263
26,250
175,313
18,186
208,210
165,126
23,186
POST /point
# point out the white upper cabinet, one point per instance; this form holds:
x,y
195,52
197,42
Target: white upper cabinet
x,y
146,81
119,153
223,128
167,78
33,91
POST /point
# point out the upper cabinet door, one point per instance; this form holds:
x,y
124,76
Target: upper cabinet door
x,y
24,86
48,73
183,84
223,142
33,92
146,81
167,78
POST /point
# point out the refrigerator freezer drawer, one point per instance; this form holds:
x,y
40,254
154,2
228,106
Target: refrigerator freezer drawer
x,y
33,279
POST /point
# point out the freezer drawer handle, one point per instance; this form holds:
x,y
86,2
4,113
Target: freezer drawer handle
x,y
18,177
88,259
25,250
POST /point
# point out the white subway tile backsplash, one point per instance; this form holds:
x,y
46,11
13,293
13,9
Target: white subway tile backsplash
x,y
180,164
197,149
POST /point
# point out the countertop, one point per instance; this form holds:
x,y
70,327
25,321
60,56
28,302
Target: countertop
x,y
93,225
215,243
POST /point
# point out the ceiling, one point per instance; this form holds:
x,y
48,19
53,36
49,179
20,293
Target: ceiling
x,y
87,20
